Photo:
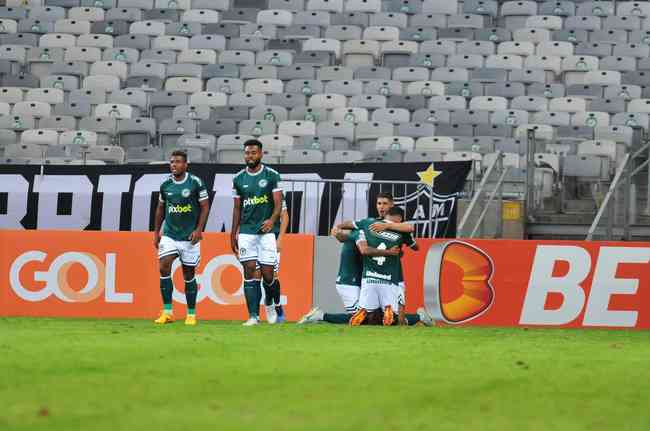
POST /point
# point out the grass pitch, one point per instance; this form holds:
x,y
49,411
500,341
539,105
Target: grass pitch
x,y
61,374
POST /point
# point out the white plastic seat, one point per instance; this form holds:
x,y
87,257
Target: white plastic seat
x,y
275,17
47,95
328,101
208,98
567,104
395,143
598,148
590,119
114,110
39,137
435,143
506,61
32,109
297,128
488,103
326,45
201,16
425,88
542,131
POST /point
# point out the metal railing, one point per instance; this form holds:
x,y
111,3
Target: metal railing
x,y
317,205
497,168
626,171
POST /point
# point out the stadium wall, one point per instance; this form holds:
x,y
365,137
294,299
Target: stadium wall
x,y
473,282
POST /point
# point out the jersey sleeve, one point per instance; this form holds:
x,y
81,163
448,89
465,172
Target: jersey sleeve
x,y
161,194
236,192
201,189
275,182
409,240
354,235
360,236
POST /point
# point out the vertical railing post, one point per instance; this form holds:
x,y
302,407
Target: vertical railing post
x,y
530,174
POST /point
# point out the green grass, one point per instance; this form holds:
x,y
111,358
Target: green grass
x,y
62,374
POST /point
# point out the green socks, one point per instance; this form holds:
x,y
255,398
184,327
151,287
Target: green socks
x,y
268,293
166,289
341,318
190,295
253,294
412,319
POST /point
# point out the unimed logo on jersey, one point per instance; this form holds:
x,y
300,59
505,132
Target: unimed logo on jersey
x,y
457,281
52,277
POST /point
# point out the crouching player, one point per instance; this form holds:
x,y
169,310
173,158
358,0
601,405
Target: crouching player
x,y
381,271
348,282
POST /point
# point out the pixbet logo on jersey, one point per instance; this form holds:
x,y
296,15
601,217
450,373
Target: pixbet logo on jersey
x,y
457,282
256,200
100,277
180,209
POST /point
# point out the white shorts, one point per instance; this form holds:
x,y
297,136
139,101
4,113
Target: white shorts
x,y
401,293
190,254
276,269
261,248
378,294
350,296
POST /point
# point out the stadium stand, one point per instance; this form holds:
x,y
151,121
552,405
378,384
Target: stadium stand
x,y
333,80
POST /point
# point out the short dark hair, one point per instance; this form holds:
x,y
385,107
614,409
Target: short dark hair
x,y
385,195
254,142
180,153
395,211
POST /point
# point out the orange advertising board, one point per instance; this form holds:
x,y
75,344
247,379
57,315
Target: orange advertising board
x,y
115,275
531,283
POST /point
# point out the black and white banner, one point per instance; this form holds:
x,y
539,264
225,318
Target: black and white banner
x,y
124,197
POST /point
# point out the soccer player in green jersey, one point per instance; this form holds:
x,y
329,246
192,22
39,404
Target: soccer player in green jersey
x,y
348,284
183,206
381,272
279,230
257,207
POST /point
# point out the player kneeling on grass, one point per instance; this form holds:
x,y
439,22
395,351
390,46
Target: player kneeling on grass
x,y
183,206
257,207
381,252
348,281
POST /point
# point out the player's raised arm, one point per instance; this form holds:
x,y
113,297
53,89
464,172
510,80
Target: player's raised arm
x,y
347,225
341,235
395,227
366,250
236,212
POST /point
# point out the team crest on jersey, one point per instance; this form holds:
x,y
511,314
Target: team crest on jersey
x,y
185,193
262,183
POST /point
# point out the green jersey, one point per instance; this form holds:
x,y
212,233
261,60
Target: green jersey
x,y
182,208
409,241
350,265
255,193
383,268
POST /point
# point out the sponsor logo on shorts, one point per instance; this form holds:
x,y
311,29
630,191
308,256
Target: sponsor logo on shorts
x,y
180,209
386,277
256,200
